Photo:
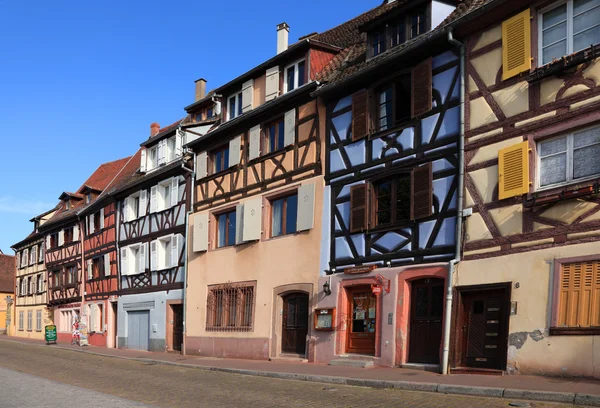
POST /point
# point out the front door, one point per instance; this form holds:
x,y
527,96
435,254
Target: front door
x,y
362,320
485,326
138,330
426,310
177,326
295,323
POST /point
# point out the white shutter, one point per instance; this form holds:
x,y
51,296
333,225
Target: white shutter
x,y
153,256
48,241
234,151
174,251
289,134
174,191
124,266
239,224
201,165
160,153
89,269
41,253
252,222
272,83
143,161
106,264
18,256
61,237
306,207
178,142
143,203
142,259
91,225
102,218
200,232
153,202
254,150
76,233
247,95
33,284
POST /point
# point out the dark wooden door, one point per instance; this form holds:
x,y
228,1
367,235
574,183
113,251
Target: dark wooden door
x,y
427,306
177,326
295,323
362,321
485,325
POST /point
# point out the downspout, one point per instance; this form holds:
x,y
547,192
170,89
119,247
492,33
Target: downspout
x,y
185,261
117,237
459,206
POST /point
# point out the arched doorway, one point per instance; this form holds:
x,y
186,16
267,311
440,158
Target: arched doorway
x,y
426,312
295,323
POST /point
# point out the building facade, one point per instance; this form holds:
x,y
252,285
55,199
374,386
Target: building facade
x,y
7,292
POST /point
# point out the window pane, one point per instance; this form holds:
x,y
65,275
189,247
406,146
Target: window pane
x,y
231,232
554,34
232,112
280,141
272,139
586,138
586,20
290,78
291,214
222,224
553,169
585,161
553,146
554,16
557,50
225,158
239,104
585,39
277,218
301,73
385,108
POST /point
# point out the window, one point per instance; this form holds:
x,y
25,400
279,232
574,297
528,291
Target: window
x,y
164,195
38,320
209,113
153,158
23,287
67,205
40,283
95,317
274,133
295,76
54,240
397,32
377,43
88,198
98,267
171,149
21,317
97,222
67,319
230,307
569,158
135,257
226,229
29,285
234,107
29,320
393,200
393,104
568,27
168,252
71,272
68,235
41,253
221,159
56,278
33,258
284,212
418,23
24,258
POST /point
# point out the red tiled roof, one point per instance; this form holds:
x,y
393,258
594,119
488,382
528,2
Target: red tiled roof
x,y
8,268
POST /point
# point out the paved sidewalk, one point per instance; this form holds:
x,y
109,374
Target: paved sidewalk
x,y
580,391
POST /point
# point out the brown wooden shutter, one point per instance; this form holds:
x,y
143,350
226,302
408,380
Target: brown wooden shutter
x,y
421,192
359,115
579,301
359,212
516,44
421,88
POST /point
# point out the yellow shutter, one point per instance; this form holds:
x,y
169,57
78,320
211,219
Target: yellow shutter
x,y
513,170
579,299
516,45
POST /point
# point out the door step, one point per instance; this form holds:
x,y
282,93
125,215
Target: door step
x,y
347,362
434,368
480,371
296,358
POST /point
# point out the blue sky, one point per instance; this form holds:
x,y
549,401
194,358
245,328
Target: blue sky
x,y
81,81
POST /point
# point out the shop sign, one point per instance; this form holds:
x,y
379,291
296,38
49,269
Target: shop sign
x,y
376,289
50,334
359,269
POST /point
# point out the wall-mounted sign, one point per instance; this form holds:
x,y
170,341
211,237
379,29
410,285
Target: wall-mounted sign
x,y
376,289
359,269
324,319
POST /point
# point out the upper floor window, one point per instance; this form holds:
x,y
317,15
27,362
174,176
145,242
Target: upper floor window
x,y
209,113
198,117
33,256
71,274
397,33
234,106
569,158
295,75
409,26
392,200
226,229
418,23
40,283
377,43
284,213
171,152
54,240
220,159
153,158
24,258
568,27
88,198
164,195
393,104
67,205
274,134
68,235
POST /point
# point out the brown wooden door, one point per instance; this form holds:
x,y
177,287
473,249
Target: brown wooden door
x,y
362,321
485,326
295,323
427,306
177,326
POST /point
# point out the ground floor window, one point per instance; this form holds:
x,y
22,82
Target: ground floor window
x,y
578,305
38,320
67,318
21,317
230,307
29,320
95,317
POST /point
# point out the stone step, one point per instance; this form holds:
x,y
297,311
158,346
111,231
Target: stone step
x,y
346,362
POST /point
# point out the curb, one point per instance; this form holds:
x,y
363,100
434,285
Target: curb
x,y
505,393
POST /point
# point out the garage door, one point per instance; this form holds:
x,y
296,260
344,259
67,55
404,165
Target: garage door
x,y
138,329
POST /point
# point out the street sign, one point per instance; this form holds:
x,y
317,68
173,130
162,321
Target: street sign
x,y
50,334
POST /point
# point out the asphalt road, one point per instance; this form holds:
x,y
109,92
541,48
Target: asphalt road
x,y
35,376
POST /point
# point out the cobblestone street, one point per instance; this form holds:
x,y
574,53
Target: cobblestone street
x,y
170,386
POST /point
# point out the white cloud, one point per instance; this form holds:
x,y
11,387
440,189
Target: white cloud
x,y
9,204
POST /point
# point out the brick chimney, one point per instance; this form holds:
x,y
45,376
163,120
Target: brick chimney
x,y
154,129
200,89
283,31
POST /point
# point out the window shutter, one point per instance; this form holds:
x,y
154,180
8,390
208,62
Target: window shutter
x,y
272,83
516,44
159,153
33,284
18,259
41,253
359,115
578,298
142,259
89,269
143,203
252,227
174,191
421,91
513,170
200,233
201,165
146,258
306,207
91,218
48,241
289,135
359,208
153,256
106,264
174,251
254,143
421,181
239,224
76,233
61,237
247,95
153,202
179,142
234,151
102,218
124,266
143,161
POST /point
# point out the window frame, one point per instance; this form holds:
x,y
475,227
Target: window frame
x,y
374,209
279,124
21,320
30,320
237,106
297,84
224,150
241,312
39,283
38,320
163,202
231,212
387,31
284,214
392,83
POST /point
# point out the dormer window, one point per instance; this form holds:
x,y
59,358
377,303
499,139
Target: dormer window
x,y
295,76
394,33
67,205
88,198
153,158
209,113
234,106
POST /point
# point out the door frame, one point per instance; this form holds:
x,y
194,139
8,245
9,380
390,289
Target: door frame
x,y
169,325
410,315
279,293
457,347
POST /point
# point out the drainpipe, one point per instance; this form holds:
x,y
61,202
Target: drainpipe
x,y
185,259
459,206
117,237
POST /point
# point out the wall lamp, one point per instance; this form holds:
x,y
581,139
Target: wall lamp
x,y
326,288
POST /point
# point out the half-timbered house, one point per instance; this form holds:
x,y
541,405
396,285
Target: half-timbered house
x,y
393,127
151,210
527,296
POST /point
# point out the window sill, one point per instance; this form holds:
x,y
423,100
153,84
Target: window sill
x,y
391,227
574,331
579,188
394,129
563,64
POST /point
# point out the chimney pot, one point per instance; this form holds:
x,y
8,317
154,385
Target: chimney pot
x,y
200,89
154,129
283,31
